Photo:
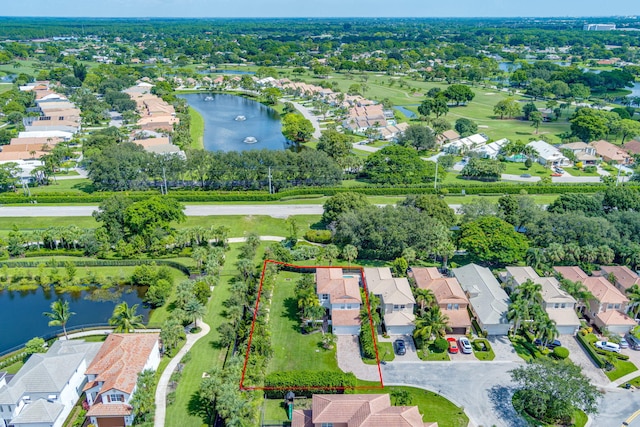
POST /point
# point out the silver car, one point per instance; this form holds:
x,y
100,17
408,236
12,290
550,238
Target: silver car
x,y
465,345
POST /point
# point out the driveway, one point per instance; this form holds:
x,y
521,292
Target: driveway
x,y
349,359
503,349
483,389
578,356
411,355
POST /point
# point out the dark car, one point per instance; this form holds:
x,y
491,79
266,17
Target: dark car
x,y
400,348
634,343
525,175
550,345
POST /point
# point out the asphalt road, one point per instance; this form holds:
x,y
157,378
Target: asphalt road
x,y
276,211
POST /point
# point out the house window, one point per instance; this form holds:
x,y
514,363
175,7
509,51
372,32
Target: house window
x,y
116,398
556,305
348,306
609,306
563,305
327,424
399,306
617,306
456,306
343,307
449,306
324,296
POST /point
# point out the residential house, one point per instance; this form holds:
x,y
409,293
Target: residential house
x,y
548,154
463,145
396,299
450,297
340,294
112,377
632,147
611,153
46,388
357,410
489,302
559,305
447,136
607,307
582,151
491,150
623,277
392,132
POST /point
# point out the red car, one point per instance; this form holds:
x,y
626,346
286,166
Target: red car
x,y
453,345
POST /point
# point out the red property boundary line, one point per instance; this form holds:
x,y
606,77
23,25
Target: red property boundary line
x,y
255,315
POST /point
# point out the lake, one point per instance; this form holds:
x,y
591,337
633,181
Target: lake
x,y
408,113
229,120
21,314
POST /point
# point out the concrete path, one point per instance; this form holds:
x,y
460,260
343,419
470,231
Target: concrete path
x,y
363,147
263,238
163,383
578,356
307,115
349,360
511,177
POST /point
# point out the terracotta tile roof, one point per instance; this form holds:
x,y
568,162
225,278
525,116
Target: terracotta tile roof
x,y
458,318
574,274
632,147
625,278
447,290
301,418
615,318
345,317
604,291
120,359
608,151
360,410
109,410
340,289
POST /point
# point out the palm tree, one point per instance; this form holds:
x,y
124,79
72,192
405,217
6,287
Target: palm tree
x,y
436,320
517,313
546,330
60,315
633,293
529,291
535,257
424,297
194,310
350,253
125,319
577,290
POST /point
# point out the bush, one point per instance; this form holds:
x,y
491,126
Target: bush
x,y
318,236
367,345
560,352
590,169
307,383
441,345
584,341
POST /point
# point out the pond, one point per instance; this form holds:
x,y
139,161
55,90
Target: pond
x,y
410,114
235,123
226,72
22,319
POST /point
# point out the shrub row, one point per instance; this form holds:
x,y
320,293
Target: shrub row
x,y
307,383
318,236
590,350
470,188
99,263
367,346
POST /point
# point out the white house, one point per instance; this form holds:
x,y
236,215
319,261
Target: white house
x,y
340,293
489,302
491,150
396,299
46,388
463,145
113,374
559,305
548,154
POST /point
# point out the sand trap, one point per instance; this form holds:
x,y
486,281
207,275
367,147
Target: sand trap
x,y
490,93
483,127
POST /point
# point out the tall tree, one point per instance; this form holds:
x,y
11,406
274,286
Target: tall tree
x,y
126,319
60,315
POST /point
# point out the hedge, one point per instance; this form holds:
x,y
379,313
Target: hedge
x,y
98,263
367,346
307,383
590,350
318,236
470,188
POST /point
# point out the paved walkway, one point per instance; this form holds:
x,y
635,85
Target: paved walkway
x,y
307,115
161,390
106,331
349,360
363,147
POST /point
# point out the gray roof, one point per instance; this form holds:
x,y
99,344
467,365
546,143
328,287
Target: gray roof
x,y
49,372
38,412
488,299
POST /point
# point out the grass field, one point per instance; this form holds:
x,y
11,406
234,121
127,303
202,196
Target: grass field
x,y
291,349
573,171
197,129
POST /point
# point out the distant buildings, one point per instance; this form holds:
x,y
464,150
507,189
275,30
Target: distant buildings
x,y
599,27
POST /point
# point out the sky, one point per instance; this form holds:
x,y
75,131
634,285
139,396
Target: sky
x,y
317,8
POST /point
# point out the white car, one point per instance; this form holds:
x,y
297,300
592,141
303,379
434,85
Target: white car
x,y
465,345
608,346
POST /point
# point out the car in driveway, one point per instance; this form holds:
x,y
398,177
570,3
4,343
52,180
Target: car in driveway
x,y
623,343
465,345
607,346
550,345
400,347
633,342
453,345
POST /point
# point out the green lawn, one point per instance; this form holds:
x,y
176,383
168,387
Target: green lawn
x,y
483,355
634,382
536,169
5,87
293,350
622,368
432,354
574,171
71,186
525,349
197,129
385,352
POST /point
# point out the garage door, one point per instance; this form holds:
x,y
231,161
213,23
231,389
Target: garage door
x,y
400,330
111,422
459,331
346,330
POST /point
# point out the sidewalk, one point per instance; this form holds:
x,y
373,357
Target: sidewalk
x,y
161,389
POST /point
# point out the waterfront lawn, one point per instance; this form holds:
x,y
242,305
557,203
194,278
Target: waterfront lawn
x,y
293,350
196,129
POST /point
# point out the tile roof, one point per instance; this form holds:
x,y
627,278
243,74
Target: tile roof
x,y
625,277
446,290
563,316
331,281
457,318
345,317
120,359
608,151
393,290
615,318
39,412
604,291
109,410
574,274
489,300
632,146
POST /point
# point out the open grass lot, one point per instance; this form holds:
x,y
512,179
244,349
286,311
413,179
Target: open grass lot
x,y
573,171
536,169
293,350
71,186
432,406
5,87
431,353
